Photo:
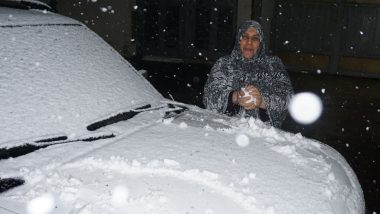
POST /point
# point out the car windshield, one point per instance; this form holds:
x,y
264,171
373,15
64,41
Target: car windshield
x,y
57,79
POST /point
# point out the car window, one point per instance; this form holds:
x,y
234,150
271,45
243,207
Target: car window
x,y
57,79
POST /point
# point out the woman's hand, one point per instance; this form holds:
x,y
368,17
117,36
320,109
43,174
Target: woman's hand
x,y
250,98
243,99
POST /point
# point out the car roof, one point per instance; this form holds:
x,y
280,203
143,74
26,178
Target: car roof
x,y
12,17
27,4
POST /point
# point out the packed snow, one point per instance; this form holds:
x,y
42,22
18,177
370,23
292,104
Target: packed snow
x,y
263,170
247,94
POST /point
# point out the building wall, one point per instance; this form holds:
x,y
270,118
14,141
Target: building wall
x,y
244,11
337,38
189,30
115,20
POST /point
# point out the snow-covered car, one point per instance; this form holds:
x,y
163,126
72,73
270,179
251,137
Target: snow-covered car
x,y
82,131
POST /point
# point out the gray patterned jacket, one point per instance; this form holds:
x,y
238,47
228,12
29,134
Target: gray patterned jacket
x,y
233,72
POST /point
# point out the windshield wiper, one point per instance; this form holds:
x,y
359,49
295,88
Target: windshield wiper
x,y
119,117
16,151
176,111
9,183
27,148
52,139
5,153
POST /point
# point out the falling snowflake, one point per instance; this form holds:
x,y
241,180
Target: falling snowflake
x,y
41,205
252,175
305,107
242,140
209,211
120,195
183,125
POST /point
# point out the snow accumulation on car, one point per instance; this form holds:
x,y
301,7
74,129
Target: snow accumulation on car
x,y
83,132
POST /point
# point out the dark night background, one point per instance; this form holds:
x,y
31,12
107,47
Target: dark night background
x,y
331,48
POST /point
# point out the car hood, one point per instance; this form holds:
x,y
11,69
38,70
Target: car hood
x,y
184,164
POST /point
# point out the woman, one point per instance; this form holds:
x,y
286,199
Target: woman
x,y
248,82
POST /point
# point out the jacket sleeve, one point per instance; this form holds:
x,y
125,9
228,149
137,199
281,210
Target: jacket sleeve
x,y
217,88
277,92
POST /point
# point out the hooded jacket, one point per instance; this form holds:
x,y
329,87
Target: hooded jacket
x,y
267,73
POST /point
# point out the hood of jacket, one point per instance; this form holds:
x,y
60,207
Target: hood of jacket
x,y
236,52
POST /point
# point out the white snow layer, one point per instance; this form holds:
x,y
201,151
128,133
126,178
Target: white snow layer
x,y
187,171
60,79
11,17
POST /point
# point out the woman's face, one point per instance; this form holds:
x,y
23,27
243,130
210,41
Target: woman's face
x,y
249,43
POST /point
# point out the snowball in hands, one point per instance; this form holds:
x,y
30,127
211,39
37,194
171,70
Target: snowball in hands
x,y
246,94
